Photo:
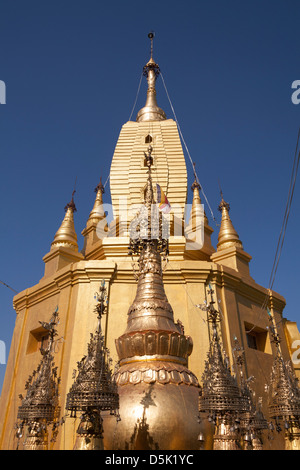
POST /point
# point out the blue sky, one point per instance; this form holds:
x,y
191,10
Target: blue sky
x,y
72,69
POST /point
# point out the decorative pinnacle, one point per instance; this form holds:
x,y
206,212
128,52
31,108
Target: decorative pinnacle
x,y
100,187
151,65
151,111
273,330
51,328
195,183
71,204
213,314
151,37
223,204
101,307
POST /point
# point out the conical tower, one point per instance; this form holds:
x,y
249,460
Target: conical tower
x,y
96,227
66,235
198,229
230,251
158,393
228,236
64,247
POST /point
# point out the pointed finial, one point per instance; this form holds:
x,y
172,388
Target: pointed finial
x,y
97,214
228,236
100,187
151,37
223,204
66,234
151,111
71,204
195,183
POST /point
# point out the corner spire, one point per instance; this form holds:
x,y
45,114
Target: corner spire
x,y
151,111
97,213
196,188
66,234
227,236
96,227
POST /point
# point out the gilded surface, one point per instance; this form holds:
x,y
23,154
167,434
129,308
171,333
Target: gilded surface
x,y
157,391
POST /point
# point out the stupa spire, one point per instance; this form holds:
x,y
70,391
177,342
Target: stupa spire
x,y
151,111
154,382
196,188
198,224
97,213
66,234
228,236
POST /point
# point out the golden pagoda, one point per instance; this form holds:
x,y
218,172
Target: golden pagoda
x,y
155,285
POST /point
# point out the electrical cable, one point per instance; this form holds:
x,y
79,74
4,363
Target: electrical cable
x,y
187,151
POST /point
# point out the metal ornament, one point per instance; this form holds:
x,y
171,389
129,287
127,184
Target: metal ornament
x,y
40,408
158,393
94,389
151,110
284,394
252,422
220,396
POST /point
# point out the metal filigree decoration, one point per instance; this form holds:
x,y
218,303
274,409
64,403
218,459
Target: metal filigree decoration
x,y
284,394
151,65
220,396
39,408
94,389
148,226
252,422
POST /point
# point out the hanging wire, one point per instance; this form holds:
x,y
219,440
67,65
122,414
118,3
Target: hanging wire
x,y
286,214
283,229
137,94
106,180
6,285
187,150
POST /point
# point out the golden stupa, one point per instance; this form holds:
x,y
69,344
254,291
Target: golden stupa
x,y
158,393
155,327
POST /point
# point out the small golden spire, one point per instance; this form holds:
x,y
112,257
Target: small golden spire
x,y
151,111
228,236
97,213
196,188
66,235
